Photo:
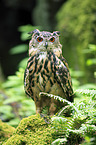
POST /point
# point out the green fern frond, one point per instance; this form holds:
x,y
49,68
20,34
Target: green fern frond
x,y
41,94
86,92
59,141
88,129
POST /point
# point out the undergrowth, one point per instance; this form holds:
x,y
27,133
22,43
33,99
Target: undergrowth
x,y
80,127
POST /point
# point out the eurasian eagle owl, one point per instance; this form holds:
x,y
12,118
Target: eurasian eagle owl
x,y
47,71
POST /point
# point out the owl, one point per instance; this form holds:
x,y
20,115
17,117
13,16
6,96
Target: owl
x,y
47,71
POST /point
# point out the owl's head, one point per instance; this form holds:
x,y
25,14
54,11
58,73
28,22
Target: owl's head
x,y
43,41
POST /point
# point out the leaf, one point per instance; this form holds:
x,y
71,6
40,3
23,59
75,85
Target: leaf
x,y
27,28
88,86
14,122
23,63
56,118
6,112
92,47
58,98
76,73
87,51
91,61
12,100
59,141
19,49
24,36
87,92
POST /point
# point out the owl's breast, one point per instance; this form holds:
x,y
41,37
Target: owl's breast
x,y
44,75
42,72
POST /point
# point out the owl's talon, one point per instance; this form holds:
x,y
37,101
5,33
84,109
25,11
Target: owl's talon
x,y
46,118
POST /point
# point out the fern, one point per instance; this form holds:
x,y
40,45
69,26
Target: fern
x,y
59,141
80,127
59,98
86,92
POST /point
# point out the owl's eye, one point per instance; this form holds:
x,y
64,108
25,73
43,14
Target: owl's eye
x,y
52,39
39,39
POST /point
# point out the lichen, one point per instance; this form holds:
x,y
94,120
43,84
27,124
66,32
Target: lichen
x,y
32,131
6,131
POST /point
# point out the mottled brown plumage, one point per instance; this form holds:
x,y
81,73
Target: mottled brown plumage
x,y
47,71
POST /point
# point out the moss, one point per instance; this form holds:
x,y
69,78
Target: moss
x,y
6,131
16,140
32,130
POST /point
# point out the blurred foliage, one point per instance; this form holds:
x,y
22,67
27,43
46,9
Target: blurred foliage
x,y
41,14
14,104
25,29
77,24
91,61
19,49
80,127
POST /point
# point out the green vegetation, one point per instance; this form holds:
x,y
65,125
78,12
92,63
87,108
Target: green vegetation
x,y
79,128
6,131
32,130
15,105
76,22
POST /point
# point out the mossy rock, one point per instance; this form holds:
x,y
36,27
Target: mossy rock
x,y
6,131
32,130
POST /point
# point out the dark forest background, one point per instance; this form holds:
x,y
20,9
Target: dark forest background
x,y
75,20
15,13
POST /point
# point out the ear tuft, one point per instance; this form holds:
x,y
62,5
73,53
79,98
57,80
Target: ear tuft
x,y
36,31
56,33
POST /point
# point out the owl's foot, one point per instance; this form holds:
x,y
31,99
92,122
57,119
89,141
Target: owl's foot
x,y
46,118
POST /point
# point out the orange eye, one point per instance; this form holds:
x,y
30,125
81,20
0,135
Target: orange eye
x,y
39,39
52,39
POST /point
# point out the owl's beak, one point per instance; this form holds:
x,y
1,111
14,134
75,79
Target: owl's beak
x,y
46,44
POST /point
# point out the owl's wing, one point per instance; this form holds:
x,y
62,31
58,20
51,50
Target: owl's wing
x,y
64,79
27,87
